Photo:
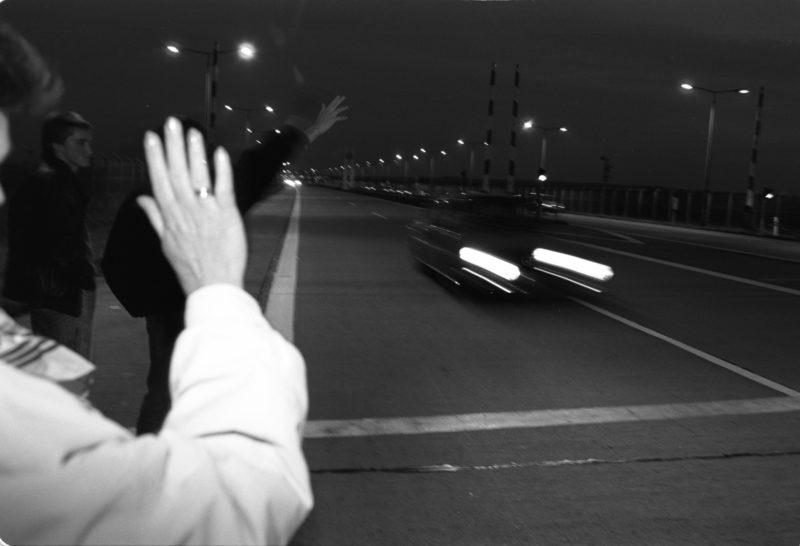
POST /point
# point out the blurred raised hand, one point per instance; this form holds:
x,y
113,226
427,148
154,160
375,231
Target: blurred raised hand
x,y
329,115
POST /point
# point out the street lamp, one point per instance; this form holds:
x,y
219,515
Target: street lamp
x,y
471,168
247,112
529,125
710,136
245,51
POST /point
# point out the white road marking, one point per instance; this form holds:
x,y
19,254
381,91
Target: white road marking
x,y
620,235
545,418
280,309
702,271
695,351
380,215
280,303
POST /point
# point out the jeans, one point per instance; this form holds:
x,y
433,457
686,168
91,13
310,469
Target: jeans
x,y
162,332
72,332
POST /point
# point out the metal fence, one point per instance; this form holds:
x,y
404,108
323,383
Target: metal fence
x,y
779,216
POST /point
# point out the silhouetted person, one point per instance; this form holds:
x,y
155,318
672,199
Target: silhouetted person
x,y
50,262
142,279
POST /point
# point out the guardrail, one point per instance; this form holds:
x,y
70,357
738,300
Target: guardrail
x,y
778,216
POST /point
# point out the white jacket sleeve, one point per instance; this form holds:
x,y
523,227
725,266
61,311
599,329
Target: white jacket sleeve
x,y
226,469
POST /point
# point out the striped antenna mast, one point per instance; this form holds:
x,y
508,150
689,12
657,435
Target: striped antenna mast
x,y
512,153
751,177
487,153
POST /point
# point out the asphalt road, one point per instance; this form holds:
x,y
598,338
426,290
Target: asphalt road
x,y
665,411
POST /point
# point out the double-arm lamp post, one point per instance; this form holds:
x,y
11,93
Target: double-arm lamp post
x,y
247,111
710,137
245,50
529,125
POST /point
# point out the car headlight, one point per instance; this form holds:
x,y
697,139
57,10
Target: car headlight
x,y
587,268
493,264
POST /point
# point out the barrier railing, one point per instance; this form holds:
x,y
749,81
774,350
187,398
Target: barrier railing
x,y
777,216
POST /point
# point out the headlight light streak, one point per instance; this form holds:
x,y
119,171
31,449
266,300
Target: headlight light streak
x,y
587,268
573,281
490,281
493,264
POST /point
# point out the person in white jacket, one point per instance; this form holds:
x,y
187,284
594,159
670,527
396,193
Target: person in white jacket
x,y
227,468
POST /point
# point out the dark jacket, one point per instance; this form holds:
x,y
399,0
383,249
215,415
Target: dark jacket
x,y
134,265
50,257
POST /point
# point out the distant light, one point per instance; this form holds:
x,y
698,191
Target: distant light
x,y
415,156
269,109
460,141
744,91
769,195
247,51
380,159
542,178
687,86
528,124
398,156
228,107
249,130
573,263
258,141
278,131
422,150
493,264
292,182
562,129
443,152
173,48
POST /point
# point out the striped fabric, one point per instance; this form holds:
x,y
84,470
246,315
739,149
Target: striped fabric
x,y
42,357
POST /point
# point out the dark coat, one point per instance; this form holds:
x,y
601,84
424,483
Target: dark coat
x,y
134,265
50,257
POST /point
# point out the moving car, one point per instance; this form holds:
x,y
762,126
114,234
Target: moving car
x,y
493,244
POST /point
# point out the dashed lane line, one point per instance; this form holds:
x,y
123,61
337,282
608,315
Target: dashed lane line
x,y
693,269
694,351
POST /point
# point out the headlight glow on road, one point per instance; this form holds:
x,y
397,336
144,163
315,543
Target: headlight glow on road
x,y
501,268
573,263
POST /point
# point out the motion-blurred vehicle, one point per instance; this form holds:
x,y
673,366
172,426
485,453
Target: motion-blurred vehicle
x,y
494,244
549,203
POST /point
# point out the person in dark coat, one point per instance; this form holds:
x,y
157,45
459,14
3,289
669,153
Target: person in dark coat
x,y
50,260
143,281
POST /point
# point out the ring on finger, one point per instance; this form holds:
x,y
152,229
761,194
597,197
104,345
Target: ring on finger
x,y
203,192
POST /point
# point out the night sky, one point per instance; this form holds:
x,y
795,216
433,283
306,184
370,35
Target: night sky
x,y
416,73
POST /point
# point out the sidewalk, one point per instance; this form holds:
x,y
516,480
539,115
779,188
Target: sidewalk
x,y
120,341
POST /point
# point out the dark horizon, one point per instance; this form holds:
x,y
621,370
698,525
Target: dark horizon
x,y
416,74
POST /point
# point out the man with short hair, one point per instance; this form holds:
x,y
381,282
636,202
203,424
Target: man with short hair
x,y
51,263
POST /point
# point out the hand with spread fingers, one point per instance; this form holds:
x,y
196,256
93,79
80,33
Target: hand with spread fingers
x,y
329,115
201,230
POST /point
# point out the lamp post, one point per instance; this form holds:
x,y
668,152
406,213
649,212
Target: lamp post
x,y
245,50
529,125
471,144
247,112
710,137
